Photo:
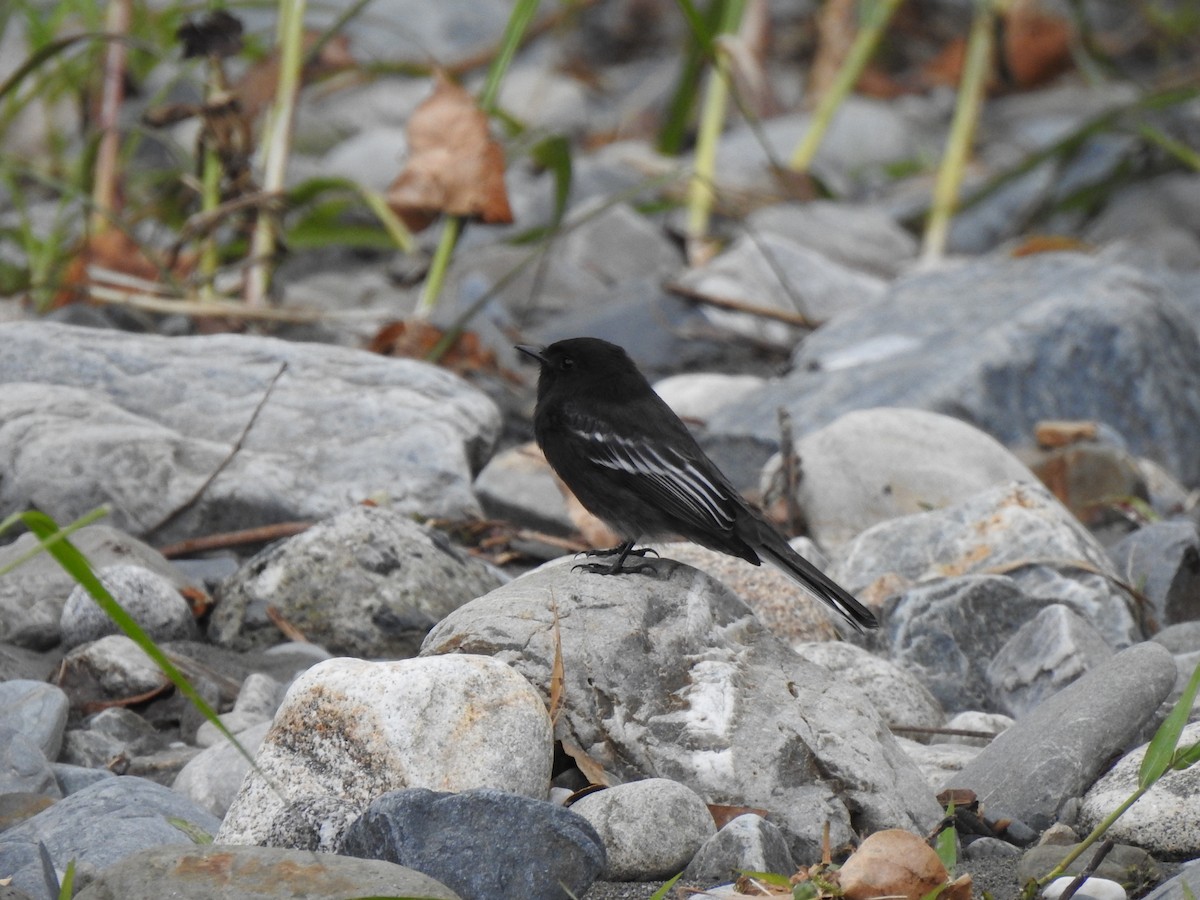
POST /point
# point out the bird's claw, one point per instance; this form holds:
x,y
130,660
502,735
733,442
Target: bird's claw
x,y
605,569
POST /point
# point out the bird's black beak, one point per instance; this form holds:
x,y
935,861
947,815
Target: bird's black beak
x,y
532,351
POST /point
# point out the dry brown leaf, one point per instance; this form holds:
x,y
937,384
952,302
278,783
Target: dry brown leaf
x,y
591,768
415,339
1049,243
113,249
895,863
1036,44
723,814
455,166
255,90
1053,433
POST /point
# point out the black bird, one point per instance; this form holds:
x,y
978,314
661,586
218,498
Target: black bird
x,y
632,462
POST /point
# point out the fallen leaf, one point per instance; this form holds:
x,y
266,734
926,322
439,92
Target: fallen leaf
x,y
1036,44
416,339
1059,433
116,251
1049,243
895,864
591,768
255,90
723,814
455,166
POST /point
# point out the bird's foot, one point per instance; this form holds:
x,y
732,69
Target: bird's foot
x,y
623,552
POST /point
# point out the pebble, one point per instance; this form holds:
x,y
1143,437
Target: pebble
x,y
151,600
747,843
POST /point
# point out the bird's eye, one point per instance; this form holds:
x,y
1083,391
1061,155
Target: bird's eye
x,y
567,362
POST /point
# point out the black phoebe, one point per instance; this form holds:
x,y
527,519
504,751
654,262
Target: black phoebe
x,y
632,462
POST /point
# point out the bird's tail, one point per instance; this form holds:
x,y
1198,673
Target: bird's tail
x,y
778,552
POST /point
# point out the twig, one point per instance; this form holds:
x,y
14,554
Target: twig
x,y
104,192
226,539
780,315
286,628
953,732
1088,870
233,451
227,309
789,467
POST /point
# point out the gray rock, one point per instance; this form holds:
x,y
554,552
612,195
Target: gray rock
x,y
36,710
369,582
701,695
990,724
938,763
773,272
256,703
862,237
215,775
899,696
1183,886
18,663
1182,637
748,843
152,601
1052,754
1165,820
23,766
697,395
72,779
255,873
98,827
945,631
1019,529
1057,336
873,465
1131,866
1162,560
1045,654
32,595
338,426
113,667
651,829
447,723
516,847
990,848
519,485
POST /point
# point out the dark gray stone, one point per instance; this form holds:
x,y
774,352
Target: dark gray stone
x,y
368,583
1162,560
1055,336
1046,654
143,422
99,826
1052,754
749,843
255,873
72,779
481,843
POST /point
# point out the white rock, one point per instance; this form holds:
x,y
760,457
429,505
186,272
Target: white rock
x,y
350,730
152,601
213,777
974,720
1091,889
697,395
651,829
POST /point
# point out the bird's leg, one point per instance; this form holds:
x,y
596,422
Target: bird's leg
x,y
624,551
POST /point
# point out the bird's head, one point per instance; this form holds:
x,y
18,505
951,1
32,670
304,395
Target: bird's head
x,y
586,367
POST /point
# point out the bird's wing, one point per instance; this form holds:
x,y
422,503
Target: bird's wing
x,y
681,484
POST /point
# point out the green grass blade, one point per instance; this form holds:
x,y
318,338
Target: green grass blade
x,y
67,890
84,520
78,567
554,155
1161,752
514,32
662,891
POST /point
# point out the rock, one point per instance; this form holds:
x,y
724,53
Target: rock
x,y
1162,560
481,843
23,766
17,806
17,663
702,695
748,843
1019,529
1045,654
1130,866
113,667
862,237
651,829
519,485
448,723
786,610
72,779
874,465
990,848
1054,752
1089,477
152,601
1182,637
697,395
255,873
369,582
1183,886
32,596
1165,821
990,724
214,776
98,827
1092,888
319,440
945,632
36,710
256,703
938,763
775,273
1052,336
899,696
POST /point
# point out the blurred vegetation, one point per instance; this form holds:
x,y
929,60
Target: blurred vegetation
x,y
114,189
